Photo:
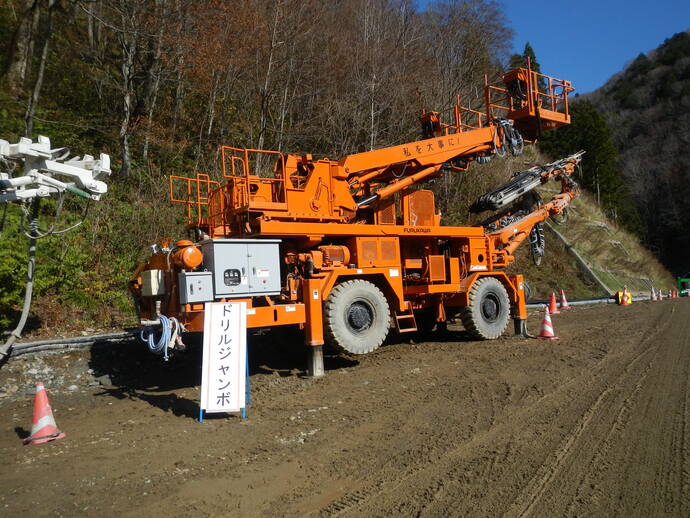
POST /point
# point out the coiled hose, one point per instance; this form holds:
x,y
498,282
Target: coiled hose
x,y
170,328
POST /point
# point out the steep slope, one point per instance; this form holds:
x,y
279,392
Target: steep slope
x,y
647,106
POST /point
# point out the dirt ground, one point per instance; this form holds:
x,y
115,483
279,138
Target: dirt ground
x,y
595,424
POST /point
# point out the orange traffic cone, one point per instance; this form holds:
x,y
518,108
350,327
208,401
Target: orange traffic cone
x,y
546,332
43,427
553,309
564,302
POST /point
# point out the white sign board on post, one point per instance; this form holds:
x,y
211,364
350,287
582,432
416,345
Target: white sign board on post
x,y
224,375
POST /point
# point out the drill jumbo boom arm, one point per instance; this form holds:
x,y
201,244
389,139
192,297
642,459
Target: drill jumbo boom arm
x,y
516,112
378,174
510,235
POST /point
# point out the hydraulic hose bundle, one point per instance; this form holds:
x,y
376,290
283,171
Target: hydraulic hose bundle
x,y
511,140
169,335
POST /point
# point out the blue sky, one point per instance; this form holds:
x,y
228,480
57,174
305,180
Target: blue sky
x,y
587,41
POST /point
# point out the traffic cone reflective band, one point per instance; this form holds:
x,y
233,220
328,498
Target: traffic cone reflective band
x,y
564,302
553,308
546,332
43,427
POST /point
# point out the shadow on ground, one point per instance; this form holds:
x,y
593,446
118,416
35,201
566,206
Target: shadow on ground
x,y
129,370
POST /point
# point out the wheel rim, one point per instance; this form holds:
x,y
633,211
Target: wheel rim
x,y
490,308
359,316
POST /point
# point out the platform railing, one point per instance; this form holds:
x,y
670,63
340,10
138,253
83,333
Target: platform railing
x,y
246,168
194,194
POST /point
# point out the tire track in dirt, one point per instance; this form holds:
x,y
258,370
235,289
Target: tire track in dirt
x,y
597,464
677,442
539,484
434,450
685,485
449,472
656,451
612,464
380,482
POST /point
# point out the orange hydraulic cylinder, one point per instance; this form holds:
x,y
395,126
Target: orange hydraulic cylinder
x,y
388,190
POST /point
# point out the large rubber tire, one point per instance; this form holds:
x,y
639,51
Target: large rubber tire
x,y
486,317
356,317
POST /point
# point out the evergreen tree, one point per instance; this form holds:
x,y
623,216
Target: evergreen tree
x,y
601,174
520,61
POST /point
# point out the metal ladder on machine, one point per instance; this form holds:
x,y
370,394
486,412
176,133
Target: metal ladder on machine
x,y
405,321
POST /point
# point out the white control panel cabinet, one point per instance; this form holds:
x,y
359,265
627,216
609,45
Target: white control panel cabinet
x,y
195,287
243,267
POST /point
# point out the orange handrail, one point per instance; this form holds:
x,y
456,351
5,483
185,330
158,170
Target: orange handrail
x,y
195,199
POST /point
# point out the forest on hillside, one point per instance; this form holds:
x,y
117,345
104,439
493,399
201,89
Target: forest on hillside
x,y
160,84
167,81
647,108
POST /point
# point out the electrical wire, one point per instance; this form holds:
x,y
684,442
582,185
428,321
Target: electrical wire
x,y
83,218
35,232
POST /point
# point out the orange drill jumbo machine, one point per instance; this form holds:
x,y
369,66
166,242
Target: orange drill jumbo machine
x,y
348,249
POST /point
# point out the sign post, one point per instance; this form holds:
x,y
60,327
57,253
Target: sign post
x,y
225,366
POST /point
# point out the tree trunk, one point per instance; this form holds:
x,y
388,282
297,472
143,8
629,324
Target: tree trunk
x,y
128,49
22,47
153,78
33,100
263,122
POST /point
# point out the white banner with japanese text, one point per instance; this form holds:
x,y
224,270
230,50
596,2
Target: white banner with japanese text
x,y
223,376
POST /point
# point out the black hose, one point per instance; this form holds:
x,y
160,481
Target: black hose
x,y
30,269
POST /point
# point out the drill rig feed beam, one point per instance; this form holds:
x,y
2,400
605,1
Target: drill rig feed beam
x,y
521,183
506,232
